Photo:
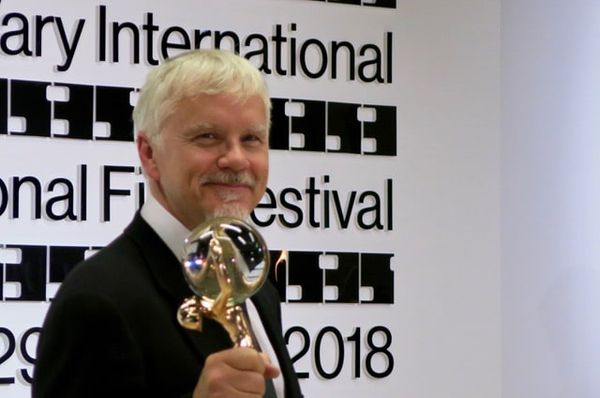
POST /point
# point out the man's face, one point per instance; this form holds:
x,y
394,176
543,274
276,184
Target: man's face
x,y
211,159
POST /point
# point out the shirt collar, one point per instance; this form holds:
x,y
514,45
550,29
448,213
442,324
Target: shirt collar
x,y
170,230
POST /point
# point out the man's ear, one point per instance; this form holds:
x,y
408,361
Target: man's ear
x,y
146,152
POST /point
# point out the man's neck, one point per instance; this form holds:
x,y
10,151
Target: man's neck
x,y
170,230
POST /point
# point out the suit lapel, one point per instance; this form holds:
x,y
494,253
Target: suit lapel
x,y
168,277
267,306
267,315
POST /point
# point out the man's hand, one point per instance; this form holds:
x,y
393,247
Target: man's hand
x,y
237,372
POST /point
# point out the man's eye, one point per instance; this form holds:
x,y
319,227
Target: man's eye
x,y
251,138
206,136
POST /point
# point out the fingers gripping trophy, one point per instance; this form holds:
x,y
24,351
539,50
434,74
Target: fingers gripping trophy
x,y
226,261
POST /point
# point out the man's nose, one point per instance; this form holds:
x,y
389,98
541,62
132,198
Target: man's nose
x,y
233,157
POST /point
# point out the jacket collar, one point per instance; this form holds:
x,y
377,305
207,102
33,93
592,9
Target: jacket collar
x,y
168,277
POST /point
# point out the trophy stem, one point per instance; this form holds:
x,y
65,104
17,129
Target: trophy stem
x,y
236,324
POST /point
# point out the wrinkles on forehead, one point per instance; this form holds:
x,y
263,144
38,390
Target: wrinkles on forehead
x,y
172,105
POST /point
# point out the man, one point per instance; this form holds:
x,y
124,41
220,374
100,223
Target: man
x,y
202,123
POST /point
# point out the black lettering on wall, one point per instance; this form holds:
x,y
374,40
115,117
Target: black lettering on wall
x,y
150,28
355,2
342,122
311,125
78,111
279,136
321,51
344,277
134,34
166,44
66,201
380,3
383,130
270,203
376,273
304,271
351,57
3,106
30,273
290,198
108,191
366,3
36,195
113,106
3,197
233,39
371,66
322,207
28,100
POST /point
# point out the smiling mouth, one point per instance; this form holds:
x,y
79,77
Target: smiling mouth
x,y
231,192
229,180
223,185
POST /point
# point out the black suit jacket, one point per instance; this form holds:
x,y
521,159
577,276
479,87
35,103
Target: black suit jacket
x,y
112,331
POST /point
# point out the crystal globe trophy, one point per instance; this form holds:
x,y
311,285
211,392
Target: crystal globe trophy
x,y
226,261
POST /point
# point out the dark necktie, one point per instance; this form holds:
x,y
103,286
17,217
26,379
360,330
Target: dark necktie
x,y
269,387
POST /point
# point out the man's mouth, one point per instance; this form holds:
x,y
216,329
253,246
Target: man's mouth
x,y
233,187
229,180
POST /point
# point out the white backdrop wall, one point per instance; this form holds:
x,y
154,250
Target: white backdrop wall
x,y
551,197
431,199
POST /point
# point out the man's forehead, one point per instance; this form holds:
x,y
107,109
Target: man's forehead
x,y
257,128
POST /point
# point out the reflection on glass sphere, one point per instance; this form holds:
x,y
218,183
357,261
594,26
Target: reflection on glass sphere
x,y
225,255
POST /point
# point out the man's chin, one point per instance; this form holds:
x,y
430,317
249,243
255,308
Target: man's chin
x,y
232,210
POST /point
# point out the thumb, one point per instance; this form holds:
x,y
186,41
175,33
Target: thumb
x,y
271,371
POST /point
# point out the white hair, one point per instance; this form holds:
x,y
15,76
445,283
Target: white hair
x,y
190,74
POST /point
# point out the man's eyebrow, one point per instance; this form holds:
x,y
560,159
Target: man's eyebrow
x,y
192,128
258,129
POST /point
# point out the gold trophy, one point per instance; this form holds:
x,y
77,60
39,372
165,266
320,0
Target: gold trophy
x,y
226,262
